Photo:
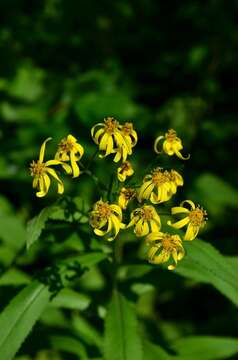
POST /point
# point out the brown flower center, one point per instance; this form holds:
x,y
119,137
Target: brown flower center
x,y
104,210
147,214
37,168
128,193
171,135
111,125
66,145
197,216
125,167
167,242
160,177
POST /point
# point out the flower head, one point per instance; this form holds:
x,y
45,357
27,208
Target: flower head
x,y
195,218
41,172
113,138
108,136
70,150
162,246
171,145
144,220
106,218
160,185
124,171
126,194
130,139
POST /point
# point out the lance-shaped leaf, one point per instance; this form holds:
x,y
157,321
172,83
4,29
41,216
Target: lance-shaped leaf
x,y
205,264
122,341
18,318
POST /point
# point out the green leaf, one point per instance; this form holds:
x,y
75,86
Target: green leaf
x,y
69,345
205,264
87,331
122,341
18,318
36,225
86,259
214,193
70,299
155,352
205,348
12,231
14,277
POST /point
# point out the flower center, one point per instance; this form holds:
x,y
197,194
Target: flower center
x,y
125,167
197,216
160,177
147,214
104,210
110,125
128,193
171,135
37,168
127,128
167,242
66,145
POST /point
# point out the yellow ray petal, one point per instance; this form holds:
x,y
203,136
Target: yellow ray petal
x,y
179,224
42,149
157,143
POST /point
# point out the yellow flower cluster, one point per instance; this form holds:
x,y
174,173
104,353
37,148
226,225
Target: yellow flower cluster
x,y
157,187
69,152
114,138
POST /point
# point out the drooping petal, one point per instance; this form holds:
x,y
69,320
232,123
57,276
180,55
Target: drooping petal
x,y
178,210
53,173
157,143
191,232
190,202
145,190
93,130
42,188
180,156
74,165
53,162
179,224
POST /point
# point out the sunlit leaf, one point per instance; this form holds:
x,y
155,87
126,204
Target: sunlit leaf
x,y
205,264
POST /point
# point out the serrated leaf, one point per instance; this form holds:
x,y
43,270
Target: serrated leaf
x,y
206,264
18,318
205,348
36,225
122,341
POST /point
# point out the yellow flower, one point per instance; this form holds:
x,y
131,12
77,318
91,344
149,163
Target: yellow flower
x,y
160,185
41,172
130,139
124,171
171,145
144,220
108,136
106,218
163,246
195,218
126,194
70,150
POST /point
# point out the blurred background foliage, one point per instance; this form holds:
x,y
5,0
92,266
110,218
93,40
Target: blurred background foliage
x,y
67,64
